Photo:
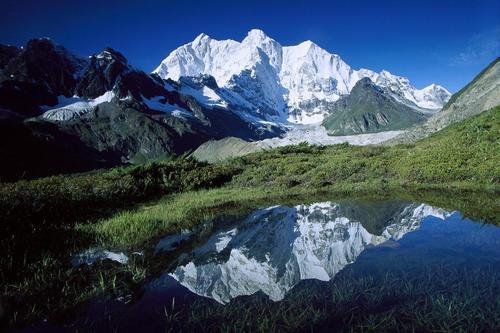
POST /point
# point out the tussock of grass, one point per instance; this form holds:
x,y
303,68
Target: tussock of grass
x,y
51,288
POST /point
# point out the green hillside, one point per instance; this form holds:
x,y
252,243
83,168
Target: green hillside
x,y
462,153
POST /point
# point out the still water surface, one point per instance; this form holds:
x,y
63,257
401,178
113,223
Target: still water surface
x,y
324,266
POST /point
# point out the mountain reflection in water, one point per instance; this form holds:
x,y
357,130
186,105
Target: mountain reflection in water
x,y
273,249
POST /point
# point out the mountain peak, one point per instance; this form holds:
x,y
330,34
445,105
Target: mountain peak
x,y
110,54
39,43
366,86
434,87
200,37
307,45
387,74
257,34
301,77
46,40
366,81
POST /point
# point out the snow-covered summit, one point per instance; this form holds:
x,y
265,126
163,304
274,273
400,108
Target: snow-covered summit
x,y
303,79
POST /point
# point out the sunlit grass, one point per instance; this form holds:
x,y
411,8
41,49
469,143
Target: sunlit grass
x,y
171,214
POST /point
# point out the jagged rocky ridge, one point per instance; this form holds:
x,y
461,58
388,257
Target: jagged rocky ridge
x,y
104,107
296,83
273,249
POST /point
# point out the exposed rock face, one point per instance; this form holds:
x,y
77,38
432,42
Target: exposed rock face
x,y
102,73
479,95
36,75
370,108
275,248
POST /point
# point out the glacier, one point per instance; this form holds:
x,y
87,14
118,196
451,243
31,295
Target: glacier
x,y
70,108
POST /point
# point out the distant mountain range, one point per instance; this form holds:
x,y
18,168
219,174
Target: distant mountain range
x,y
102,111
370,108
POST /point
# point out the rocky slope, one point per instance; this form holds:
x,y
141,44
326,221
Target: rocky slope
x,y
36,75
481,94
109,107
295,83
370,108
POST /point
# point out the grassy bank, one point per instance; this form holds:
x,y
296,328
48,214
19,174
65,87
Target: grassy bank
x,y
65,199
464,154
171,214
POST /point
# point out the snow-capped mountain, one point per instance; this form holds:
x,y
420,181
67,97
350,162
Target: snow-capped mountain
x,y
275,248
277,82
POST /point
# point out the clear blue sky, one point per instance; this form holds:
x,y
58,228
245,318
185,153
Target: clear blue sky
x,y
446,42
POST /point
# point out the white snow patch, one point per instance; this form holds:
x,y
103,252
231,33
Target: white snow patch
x,y
205,95
71,107
155,104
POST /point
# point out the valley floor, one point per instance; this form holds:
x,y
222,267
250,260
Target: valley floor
x,y
314,134
317,135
